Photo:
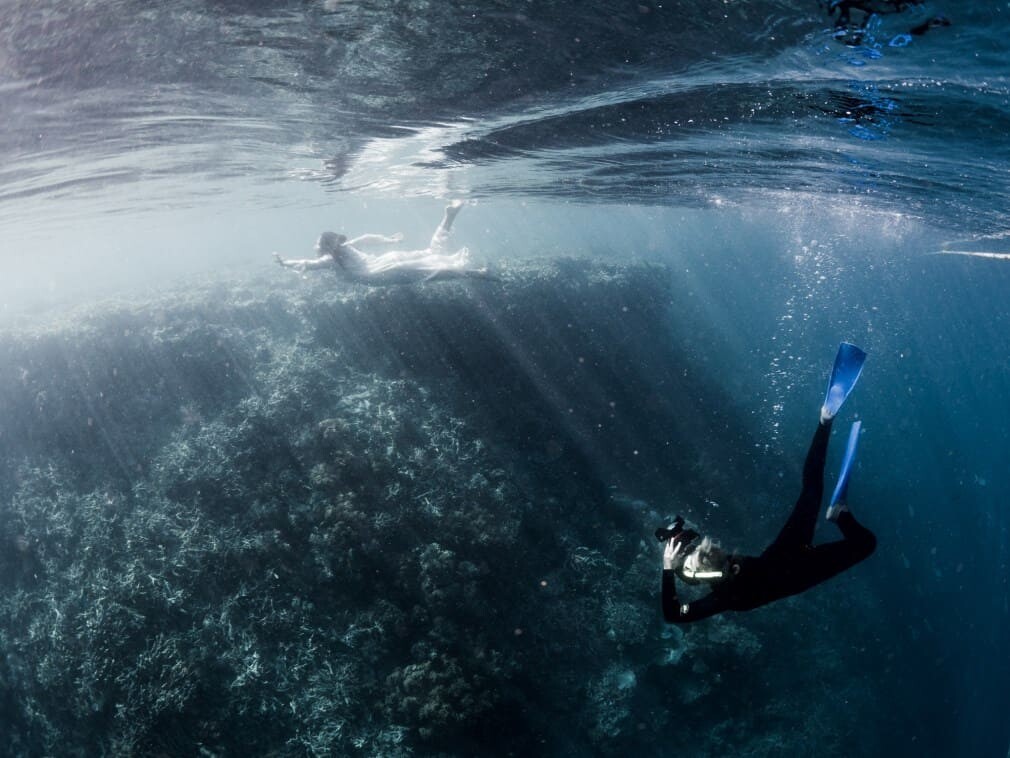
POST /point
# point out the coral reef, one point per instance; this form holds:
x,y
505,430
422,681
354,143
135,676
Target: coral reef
x,y
277,517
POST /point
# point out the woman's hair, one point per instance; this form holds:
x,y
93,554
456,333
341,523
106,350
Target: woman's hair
x,y
330,242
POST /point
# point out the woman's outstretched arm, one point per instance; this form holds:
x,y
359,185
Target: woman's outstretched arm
x,y
376,239
323,261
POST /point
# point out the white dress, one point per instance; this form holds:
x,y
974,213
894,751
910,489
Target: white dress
x,y
403,266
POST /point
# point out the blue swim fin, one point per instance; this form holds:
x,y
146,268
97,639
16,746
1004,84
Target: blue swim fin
x,y
839,498
848,365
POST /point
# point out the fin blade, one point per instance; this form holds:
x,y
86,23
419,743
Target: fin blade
x,y
841,493
844,375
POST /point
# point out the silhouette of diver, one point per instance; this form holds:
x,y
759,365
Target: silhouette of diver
x,y
852,17
791,564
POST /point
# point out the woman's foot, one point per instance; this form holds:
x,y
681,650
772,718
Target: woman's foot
x,y
451,211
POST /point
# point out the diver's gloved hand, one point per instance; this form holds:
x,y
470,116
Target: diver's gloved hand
x,y
670,553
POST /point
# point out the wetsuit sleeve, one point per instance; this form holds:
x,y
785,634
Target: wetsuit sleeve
x,y
675,613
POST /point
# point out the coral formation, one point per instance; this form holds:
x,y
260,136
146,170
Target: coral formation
x,y
293,520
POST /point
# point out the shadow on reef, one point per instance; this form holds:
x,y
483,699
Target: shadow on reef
x,y
283,518
573,367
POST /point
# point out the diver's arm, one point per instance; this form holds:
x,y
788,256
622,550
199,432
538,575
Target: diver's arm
x,y
372,239
673,611
676,613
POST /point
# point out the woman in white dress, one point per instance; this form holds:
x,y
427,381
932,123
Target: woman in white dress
x,y
345,257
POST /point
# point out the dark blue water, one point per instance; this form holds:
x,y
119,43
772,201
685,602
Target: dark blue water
x,y
246,510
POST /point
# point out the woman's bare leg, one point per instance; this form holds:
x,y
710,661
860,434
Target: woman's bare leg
x,y
441,235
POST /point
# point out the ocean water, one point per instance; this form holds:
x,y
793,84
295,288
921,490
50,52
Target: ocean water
x,y
244,511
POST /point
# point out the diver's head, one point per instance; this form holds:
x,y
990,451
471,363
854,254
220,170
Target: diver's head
x,y
705,562
329,242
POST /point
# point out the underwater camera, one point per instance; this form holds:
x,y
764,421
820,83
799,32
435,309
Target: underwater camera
x,y
668,533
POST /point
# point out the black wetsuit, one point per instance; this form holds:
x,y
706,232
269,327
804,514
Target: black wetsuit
x,y
790,565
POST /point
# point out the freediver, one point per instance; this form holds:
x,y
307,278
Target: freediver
x,y
851,30
791,564
337,253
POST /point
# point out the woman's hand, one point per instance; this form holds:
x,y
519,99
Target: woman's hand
x,y
670,553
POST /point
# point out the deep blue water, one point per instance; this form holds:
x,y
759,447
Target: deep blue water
x,y
794,187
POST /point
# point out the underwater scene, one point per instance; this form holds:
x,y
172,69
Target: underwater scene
x,y
463,378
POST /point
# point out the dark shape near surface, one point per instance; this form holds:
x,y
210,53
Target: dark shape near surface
x,y
852,17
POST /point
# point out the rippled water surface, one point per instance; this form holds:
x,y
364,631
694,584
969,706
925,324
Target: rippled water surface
x,y
666,103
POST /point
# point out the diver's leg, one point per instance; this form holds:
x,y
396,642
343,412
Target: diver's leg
x,y
825,561
855,533
438,239
799,528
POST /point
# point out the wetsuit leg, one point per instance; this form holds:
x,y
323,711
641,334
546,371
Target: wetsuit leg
x,y
798,531
820,563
